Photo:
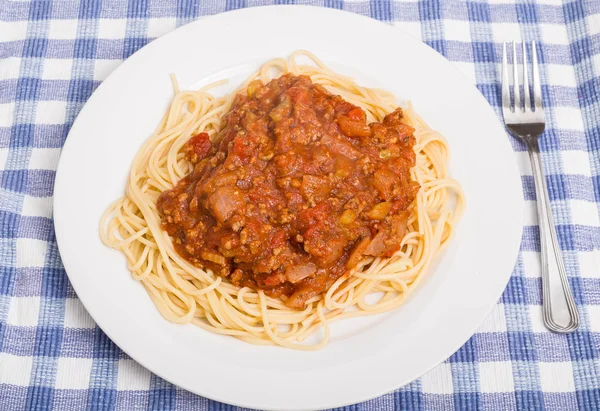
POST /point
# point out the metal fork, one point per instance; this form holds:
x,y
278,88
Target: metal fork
x,y
527,122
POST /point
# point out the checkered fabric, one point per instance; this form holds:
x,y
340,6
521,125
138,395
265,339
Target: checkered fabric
x,y
53,54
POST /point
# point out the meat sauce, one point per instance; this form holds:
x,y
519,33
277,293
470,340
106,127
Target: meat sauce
x,y
294,190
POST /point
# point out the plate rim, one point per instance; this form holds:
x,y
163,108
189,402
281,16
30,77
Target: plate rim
x,y
160,40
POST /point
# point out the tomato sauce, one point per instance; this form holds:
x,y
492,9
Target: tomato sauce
x,y
294,190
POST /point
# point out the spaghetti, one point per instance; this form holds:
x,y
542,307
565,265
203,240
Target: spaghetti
x,y
184,293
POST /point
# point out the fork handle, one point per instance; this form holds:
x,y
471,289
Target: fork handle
x,y
559,309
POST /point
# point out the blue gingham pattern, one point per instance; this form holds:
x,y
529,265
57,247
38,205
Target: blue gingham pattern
x,y
53,54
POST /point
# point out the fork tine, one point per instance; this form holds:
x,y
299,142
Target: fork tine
x,y
506,108
537,85
517,94
526,99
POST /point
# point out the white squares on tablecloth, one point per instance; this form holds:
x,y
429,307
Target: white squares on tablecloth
x,y
457,30
10,68
51,112
102,68
496,376
44,158
410,27
438,380
13,30
584,213
3,158
508,32
561,75
112,28
14,369
530,213
593,312
551,2
568,118
557,376
37,206
7,111
589,264
536,319
76,315
73,373
24,311
63,29
57,69
467,69
495,322
132,376
576,162
596,62
501,2
531,264
157,27
31,253
593,25
554,33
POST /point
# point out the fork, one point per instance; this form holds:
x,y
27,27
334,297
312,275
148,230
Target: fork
x,y
527,122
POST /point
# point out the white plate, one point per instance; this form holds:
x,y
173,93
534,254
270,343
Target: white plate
x,y
365,357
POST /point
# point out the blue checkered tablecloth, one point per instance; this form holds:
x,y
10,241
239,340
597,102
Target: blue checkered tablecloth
x,y
53,54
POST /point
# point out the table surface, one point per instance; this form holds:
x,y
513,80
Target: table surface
x,y
53,54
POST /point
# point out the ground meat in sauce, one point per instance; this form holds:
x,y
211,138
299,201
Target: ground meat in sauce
x,y
295,189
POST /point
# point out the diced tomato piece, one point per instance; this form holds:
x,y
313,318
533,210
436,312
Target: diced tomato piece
x,y
197,147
